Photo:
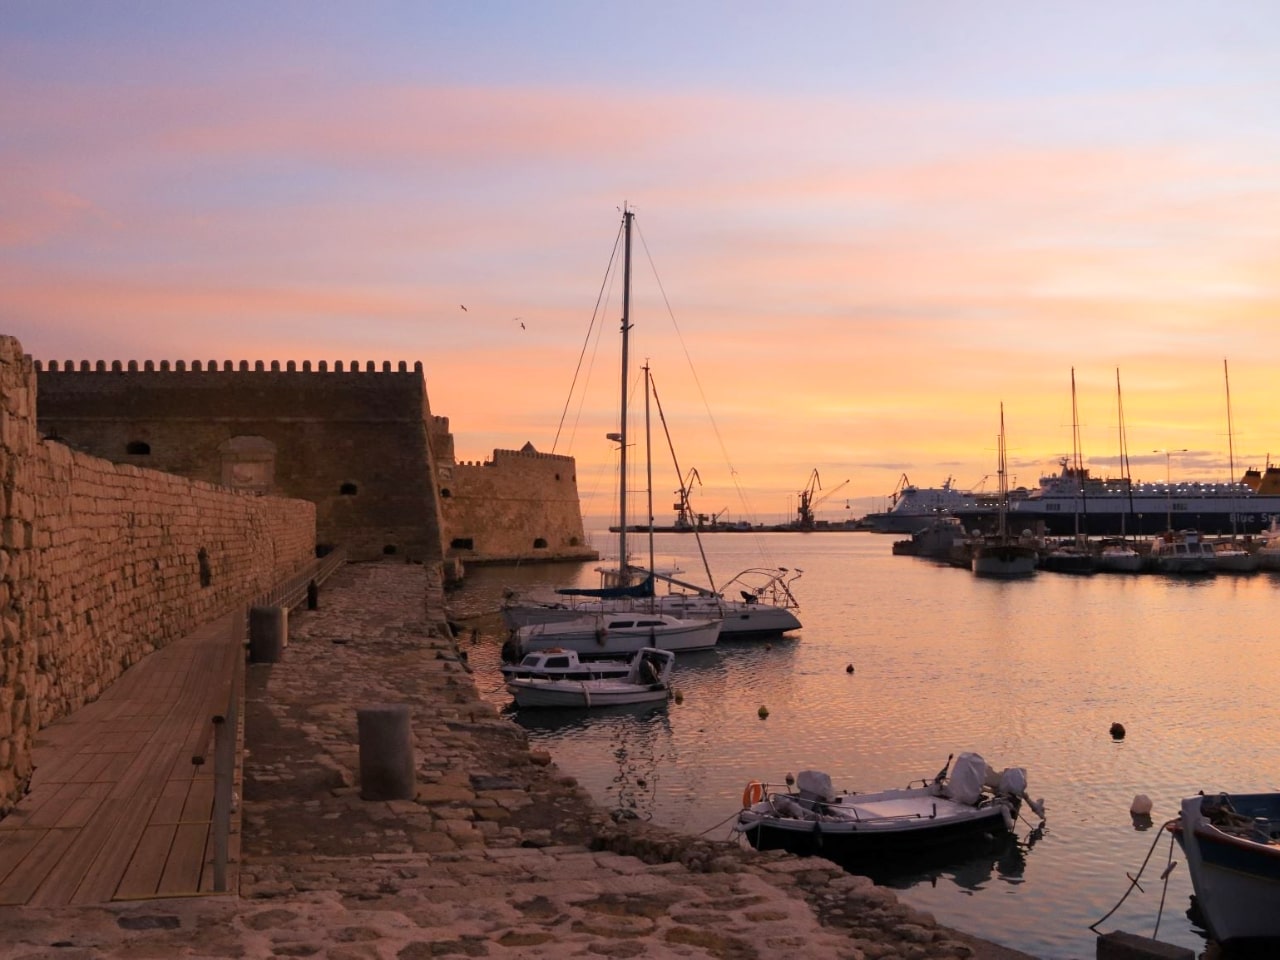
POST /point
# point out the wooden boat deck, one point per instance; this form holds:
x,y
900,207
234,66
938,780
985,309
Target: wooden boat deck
x,y
118,808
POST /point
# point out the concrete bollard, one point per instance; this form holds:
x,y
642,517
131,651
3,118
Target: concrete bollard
x,y
1119,945
268,633
386,753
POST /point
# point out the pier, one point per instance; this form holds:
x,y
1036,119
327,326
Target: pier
x,y
497,855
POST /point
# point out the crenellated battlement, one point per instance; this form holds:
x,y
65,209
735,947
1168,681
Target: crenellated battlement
x,y
529,455
228,366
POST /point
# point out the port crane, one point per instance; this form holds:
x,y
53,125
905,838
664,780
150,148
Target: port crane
x,y
809,501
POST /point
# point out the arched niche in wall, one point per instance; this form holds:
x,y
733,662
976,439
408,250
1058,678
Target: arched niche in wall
x,y
248,463
137,448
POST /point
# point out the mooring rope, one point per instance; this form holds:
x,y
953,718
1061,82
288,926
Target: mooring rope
x,y
1133,880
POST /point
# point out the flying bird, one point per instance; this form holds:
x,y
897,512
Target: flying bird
x,y
521,323
463,306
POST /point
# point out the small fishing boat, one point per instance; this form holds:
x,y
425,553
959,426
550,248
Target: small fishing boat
x,y
1232,845
648,680
557,664
1182,552
971,803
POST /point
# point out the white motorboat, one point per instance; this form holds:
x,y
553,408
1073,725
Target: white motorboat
x,y
861,828
648,680
1230,557
1232,845
1269,553
1182,552
1119,558
556,663
615,634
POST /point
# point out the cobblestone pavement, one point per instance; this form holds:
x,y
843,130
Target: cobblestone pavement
x,y
497,856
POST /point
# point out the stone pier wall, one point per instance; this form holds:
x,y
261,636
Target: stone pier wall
x,y
102,563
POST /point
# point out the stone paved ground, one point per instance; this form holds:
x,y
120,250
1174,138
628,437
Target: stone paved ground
x,y
497,856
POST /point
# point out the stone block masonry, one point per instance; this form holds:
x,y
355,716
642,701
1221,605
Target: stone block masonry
x,y
102,563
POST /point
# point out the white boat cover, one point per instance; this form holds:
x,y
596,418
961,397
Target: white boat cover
x,y
1013,782
815,784
967,778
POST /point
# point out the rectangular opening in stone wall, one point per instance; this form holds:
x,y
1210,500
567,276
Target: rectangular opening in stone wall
x,y
206,571
462,543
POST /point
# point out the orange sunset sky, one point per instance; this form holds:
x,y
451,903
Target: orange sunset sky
x,y
861,227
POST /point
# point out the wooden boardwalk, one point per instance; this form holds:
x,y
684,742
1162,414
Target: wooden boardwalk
x,y
117,808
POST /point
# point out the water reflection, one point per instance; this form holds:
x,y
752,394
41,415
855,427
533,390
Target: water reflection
x,y
1029,676
641,740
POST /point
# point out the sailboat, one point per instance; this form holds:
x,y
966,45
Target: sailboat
x,y
1073,557
1001,556
1229,556
610,630
1120,556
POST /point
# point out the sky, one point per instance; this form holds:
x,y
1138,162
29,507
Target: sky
x,y
861,229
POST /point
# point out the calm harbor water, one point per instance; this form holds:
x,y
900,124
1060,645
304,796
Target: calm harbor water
x,y
1028,673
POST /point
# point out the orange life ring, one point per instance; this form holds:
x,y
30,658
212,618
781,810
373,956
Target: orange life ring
x,y
753,794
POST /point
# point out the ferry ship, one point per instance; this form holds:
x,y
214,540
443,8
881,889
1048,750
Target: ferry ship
x,y
1070,502
915,508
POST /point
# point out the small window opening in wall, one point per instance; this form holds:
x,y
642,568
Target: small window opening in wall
x,y
347,490
206,572
445,492
573,541
138,448
557,478
462,543
389,549
540,543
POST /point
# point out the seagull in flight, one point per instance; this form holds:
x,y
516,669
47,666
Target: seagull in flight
x,y
521,323
463,306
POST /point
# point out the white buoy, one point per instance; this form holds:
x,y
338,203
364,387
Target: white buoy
x,y
1141,806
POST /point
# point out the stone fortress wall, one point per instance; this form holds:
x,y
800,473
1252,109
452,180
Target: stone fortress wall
x,y
353,442
101,563
360,443
521,505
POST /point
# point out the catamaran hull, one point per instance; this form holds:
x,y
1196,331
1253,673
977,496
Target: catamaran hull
x,y
603,642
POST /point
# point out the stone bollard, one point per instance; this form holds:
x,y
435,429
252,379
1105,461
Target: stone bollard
x,y
386,753
268,633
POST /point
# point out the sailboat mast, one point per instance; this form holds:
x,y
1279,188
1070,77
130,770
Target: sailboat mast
x,y
622,432
1078,456
648,459
1004,484
1124,452
1231,448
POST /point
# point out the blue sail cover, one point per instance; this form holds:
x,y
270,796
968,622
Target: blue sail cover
x,y
640,591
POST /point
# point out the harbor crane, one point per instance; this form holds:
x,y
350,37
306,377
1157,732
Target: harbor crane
x,y
809,502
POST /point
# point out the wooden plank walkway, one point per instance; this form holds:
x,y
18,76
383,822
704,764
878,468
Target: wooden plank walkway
x,y
118,810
